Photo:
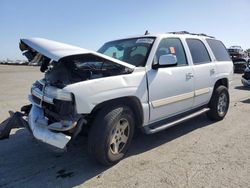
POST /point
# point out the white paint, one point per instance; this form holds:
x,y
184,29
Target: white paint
x,y
165,88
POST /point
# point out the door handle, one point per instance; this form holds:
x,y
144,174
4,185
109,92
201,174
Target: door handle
x,y
189,75
212,71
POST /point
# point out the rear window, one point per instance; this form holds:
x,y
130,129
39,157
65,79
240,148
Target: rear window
x,y
219,50
198,51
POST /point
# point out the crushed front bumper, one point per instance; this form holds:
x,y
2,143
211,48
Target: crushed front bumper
x,y
37,124
52,134
39,128
42,119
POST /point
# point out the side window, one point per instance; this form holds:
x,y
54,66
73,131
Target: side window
x,y
198,51
171,46
219,50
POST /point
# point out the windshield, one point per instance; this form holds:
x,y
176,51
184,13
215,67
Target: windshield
x,y
133,51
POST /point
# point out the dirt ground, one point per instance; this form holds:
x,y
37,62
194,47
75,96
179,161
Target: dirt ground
x,y
197,153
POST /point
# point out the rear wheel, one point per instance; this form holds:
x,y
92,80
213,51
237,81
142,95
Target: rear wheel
x,y
111,134
219,104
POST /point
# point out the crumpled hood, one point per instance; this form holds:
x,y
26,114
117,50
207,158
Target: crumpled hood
x,y
57,50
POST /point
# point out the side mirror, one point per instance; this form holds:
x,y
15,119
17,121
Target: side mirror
x,y
168,60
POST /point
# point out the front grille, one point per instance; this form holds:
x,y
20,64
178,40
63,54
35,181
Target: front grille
x,y
37,93
54,109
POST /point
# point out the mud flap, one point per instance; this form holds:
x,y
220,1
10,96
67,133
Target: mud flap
x,y
14,121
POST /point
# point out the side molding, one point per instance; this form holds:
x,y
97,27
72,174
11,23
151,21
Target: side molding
x,y
169,100
178,98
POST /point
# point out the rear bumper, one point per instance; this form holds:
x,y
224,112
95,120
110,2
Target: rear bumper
x,y
38,124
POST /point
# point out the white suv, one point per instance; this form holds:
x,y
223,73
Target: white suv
x,y
151,82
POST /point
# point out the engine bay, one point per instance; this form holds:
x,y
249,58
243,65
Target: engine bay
x,y
79,68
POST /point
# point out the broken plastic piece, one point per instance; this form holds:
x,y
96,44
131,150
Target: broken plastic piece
x,y
14,121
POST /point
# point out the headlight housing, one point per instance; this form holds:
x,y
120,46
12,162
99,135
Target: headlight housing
x,y
59,94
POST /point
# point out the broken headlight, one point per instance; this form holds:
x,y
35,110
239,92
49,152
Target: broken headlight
x,y
59,94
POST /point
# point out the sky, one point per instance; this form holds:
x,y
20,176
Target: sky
x,y
90,23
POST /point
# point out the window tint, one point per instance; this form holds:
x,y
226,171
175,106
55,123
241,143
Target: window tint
x,y
198,51
171,46
218,50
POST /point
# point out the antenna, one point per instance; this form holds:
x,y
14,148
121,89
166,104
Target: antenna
x,y
146,33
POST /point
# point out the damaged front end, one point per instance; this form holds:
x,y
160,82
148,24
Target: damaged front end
x,y
52,116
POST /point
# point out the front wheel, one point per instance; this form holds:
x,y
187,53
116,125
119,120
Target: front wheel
x,y
219,104
110,134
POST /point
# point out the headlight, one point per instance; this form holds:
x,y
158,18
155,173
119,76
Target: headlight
x,y
58,93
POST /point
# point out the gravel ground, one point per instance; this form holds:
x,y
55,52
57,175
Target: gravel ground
x,y
197,153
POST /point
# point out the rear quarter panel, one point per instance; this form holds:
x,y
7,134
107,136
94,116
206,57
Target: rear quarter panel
x,y
224,69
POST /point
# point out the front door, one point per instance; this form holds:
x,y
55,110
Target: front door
x,y
171,89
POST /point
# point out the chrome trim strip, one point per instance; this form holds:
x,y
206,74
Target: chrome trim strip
x,y
178,98
38,93
41,82
201,91
169,100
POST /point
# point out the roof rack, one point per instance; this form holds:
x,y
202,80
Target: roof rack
x,y
186,32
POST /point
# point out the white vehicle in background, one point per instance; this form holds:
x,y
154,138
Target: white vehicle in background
x,y
151,82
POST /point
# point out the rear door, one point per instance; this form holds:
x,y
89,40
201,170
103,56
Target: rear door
x,y
204,71
223,62
171,89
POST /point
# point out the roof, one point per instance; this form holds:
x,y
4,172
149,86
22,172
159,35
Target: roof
x,y
170,34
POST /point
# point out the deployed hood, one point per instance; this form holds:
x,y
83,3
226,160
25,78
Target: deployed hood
x,y
35,48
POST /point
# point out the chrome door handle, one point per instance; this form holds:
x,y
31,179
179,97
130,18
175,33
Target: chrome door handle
x,y
212,71
189,75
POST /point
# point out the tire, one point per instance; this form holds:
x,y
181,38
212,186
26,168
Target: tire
x,y
111,134
219,104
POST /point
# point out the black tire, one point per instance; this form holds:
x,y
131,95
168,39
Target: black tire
x,y
103,131
217,111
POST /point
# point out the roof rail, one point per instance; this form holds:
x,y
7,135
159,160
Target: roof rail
x,y
179,32
186,32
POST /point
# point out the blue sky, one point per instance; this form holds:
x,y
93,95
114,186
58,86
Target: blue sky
x,y
90,23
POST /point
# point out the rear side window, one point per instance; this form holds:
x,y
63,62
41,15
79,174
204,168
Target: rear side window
x,y
218,49
198,51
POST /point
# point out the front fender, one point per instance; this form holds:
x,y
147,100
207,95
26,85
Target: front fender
x,y
90,93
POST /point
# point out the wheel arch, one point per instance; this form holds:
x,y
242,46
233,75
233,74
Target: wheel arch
x,y
221,81
131,101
